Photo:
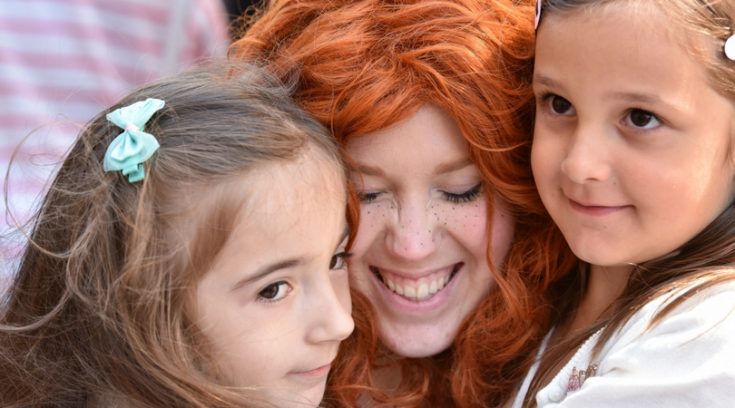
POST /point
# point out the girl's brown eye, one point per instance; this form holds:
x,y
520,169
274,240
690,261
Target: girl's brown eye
x,y
642,119
274,291
560,105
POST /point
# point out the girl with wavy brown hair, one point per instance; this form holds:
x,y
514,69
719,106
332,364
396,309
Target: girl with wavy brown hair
x,y
189,253
454,259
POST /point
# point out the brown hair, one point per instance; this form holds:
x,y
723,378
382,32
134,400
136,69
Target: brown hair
x,y
100,303
706,259
366,65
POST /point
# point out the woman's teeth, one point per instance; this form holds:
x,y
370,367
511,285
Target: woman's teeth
x,y
418,291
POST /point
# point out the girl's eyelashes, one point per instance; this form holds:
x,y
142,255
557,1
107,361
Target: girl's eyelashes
x,y
339,260
274,292
464,197
642,119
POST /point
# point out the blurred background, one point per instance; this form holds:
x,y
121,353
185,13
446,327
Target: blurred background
x,y
64,61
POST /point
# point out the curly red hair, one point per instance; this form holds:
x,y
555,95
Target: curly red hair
x,y
361,66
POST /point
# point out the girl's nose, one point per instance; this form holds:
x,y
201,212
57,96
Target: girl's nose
x,y
332,312
586,158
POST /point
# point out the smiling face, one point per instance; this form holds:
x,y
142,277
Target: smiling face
x,y
275,304
631,150
420,253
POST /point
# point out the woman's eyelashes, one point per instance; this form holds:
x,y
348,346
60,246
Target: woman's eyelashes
x,y
465,196
368,197
274,292
455,198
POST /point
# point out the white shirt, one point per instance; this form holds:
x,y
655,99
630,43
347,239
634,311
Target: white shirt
x,y
686,360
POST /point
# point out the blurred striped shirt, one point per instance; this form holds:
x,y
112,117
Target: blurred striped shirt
x,y
64,61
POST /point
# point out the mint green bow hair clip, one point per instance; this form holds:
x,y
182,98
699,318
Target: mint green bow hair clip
x,y
131,148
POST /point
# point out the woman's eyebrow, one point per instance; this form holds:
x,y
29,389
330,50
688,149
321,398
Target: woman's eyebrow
x,y
441,168
368,170
453,165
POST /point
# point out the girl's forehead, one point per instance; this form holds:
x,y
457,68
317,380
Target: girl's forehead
x,y
667,21
646,16
310,184
281,186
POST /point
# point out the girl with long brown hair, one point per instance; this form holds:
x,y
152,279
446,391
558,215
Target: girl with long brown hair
x,y
189,253
633,157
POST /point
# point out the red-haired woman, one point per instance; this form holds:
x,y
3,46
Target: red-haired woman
x,y
454,259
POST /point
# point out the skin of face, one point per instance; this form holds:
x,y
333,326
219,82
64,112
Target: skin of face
x,y
420,254
276,303
632,145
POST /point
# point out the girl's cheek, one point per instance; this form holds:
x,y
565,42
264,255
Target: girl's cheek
x,y
503,229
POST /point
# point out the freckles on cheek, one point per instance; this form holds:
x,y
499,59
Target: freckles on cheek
x,y
470,220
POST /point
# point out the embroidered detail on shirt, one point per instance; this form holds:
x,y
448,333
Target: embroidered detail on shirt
x,y
579,376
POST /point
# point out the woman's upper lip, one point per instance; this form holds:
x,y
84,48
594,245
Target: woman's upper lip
x,y
416,275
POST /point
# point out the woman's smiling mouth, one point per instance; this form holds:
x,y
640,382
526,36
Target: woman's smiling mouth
x,y
417,290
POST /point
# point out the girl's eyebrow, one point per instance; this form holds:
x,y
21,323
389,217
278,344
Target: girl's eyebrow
x,y
647,99
546,81
635,97
267,270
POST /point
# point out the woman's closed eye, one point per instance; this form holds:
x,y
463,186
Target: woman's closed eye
x,y
368,196
274,292
465,196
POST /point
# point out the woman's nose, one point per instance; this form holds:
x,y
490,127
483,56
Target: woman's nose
x,y
413,235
